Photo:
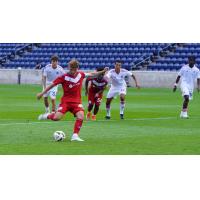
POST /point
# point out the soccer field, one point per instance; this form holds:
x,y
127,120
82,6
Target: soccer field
x,y
151,125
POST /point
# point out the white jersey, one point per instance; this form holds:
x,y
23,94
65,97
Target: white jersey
x,y
189,76
118,80
51,74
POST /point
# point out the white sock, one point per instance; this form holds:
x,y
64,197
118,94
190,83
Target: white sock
x,y
75,135
108,112
47,109
122,106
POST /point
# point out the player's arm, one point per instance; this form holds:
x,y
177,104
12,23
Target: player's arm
x,y
176,83
86,86
44,80
44,77
96,74
39,95
198,84
100,92
136,82
57,81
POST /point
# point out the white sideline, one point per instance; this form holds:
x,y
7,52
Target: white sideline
x,y
112,120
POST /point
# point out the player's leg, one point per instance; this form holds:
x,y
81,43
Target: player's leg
x,y
108,107
97,105
122,95
90,105
53,101
63,108
184,113
52,116
122,105
186,97
95,111
52,95
78,124
111,94
46,103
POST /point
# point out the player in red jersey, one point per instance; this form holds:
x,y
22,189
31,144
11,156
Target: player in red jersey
x,y
95,93
71,100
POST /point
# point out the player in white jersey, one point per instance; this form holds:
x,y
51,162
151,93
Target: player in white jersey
x,y
188,74
50,73
118,87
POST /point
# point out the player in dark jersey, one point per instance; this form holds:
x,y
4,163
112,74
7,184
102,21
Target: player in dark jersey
x,y
71,100
94,88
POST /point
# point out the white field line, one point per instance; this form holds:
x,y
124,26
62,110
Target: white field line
x,y
70,121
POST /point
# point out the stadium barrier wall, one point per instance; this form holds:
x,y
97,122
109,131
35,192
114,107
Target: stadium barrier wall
x,y
28,76
153,79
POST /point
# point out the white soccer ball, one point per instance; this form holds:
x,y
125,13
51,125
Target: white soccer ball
x,y
59,136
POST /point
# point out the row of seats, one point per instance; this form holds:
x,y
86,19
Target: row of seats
x,y
89,55
57,45
177,59
100,50
94,55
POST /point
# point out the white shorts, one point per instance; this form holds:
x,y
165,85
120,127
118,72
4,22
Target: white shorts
x,y
186,91
52,93
114,91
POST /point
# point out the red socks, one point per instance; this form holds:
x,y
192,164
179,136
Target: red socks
x,y
78,125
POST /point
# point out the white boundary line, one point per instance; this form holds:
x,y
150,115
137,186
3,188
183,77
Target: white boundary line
x,y
111,120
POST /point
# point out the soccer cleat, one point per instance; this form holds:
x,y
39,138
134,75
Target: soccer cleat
x,y
184,115
88,116
75,137
43,116
121,116
107,117
94,118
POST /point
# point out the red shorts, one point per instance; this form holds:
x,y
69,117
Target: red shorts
x,y
71,107
94,100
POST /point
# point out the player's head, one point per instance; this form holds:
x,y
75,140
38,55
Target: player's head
x,y
191,61
54,61
118,65
98,70
73,66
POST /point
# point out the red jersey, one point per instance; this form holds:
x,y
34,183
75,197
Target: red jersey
x,y
97,84
72,85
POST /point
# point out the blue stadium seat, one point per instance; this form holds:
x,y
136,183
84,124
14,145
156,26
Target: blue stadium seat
x,y
91,55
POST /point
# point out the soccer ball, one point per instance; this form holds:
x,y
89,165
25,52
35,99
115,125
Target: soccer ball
x,y
59,136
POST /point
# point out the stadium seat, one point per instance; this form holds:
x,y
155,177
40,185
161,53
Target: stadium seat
x,y
92,55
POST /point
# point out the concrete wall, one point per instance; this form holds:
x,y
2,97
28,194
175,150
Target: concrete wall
x,y
28,76
155,79
145,78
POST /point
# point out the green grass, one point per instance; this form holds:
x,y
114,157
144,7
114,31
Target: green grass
x,y
151,125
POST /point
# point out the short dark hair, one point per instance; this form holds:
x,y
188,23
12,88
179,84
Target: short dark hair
x,y
54,58
119,61
192,57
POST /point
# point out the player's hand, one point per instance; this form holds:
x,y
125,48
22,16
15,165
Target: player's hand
x,y
39,95
106,69
174,89
96,95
